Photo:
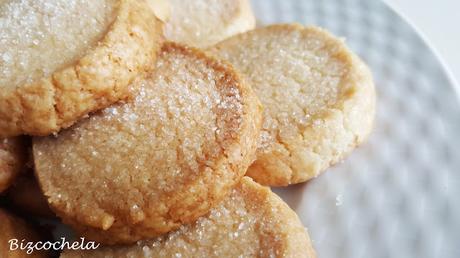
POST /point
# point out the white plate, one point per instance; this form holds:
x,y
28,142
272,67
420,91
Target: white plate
x,y
399,194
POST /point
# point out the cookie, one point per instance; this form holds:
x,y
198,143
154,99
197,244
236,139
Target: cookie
x,y
319,99
13,228
143,168
13,157
203,23
251,222
25,196
64,59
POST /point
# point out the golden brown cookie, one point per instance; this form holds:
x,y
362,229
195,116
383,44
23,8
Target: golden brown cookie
x,y
143,168
319,99
13,228
202,23
13,157
61,60
26,196
251,222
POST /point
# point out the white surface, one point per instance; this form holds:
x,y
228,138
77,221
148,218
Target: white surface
x,y
396,195
439,22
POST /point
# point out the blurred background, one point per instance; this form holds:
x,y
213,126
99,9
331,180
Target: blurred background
x,y
439,22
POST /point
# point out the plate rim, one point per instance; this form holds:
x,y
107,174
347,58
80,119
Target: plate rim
x,y
454,83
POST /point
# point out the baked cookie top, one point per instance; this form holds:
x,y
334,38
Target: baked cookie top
x,y
62,59
202,23
40,37
13,158
142,168
251,222
318,97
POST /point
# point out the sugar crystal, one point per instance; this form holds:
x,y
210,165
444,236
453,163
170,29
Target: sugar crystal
x,y
40,36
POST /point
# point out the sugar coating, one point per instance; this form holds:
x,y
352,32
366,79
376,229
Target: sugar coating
x,y
96,80
295,77
13,156
38,37
149,162
251,222
205,22
318,98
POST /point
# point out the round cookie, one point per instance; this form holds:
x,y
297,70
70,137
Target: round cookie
x,y
13,157
143,168
202,23
64,59
251,222
319,99
13,228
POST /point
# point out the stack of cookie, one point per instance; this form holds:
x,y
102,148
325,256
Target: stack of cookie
x,y
146,116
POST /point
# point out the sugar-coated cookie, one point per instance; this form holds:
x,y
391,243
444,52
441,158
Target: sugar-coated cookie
x,y
319,99
62,59
143,168
251,222
202,23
